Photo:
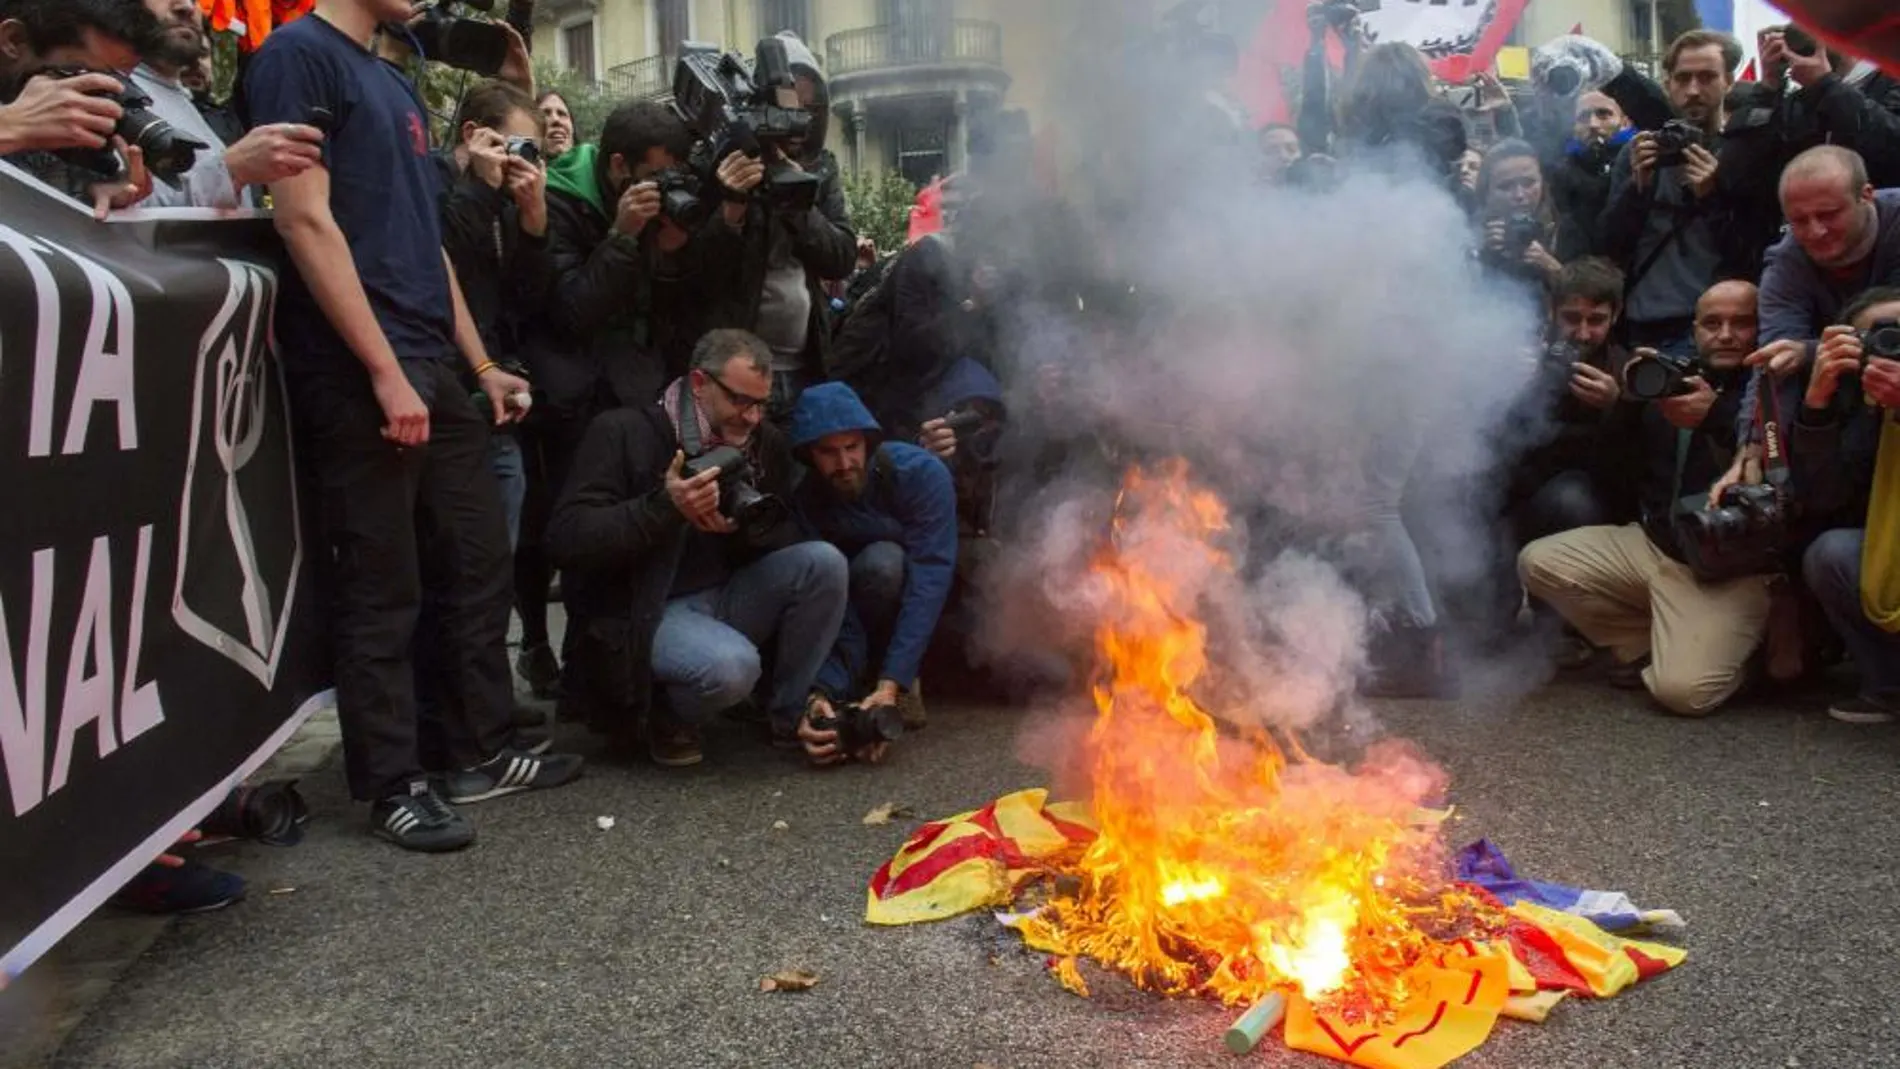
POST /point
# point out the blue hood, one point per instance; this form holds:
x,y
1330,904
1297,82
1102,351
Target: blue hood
x,y
831,408
966,380
1617,140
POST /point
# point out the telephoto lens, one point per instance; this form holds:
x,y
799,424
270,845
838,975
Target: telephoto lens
x,y
271,813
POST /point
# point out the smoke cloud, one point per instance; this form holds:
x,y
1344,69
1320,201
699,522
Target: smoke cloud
x,y
1319,358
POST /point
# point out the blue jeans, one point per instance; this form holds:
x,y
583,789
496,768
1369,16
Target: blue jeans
x,y
877,596
706,651
504,459
1831,567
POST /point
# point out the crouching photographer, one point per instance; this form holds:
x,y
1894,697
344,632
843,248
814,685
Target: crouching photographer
x,y
892,508
65,115
684,561
1846,449
1682,598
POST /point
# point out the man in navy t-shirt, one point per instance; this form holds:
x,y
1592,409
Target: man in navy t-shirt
x,y
370,325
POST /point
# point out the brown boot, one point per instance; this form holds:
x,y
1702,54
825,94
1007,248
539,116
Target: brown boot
x,y
910,706
672,744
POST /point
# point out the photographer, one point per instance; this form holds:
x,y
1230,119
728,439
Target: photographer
x,y
892,509
1521,238
598,341
48,120
1630,588
495,226
1826,108
671,590
1843,237
222,176
1664,221
372,328
772,264
1846,457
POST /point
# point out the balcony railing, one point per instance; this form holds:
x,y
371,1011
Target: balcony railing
x,y
643,79
914,44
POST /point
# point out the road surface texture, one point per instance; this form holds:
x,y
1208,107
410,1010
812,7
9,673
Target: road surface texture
x,y
553,943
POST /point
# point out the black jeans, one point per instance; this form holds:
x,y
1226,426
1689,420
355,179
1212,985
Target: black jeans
x,y
383,509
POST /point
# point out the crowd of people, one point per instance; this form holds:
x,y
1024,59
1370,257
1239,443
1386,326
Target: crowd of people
x,y
761,459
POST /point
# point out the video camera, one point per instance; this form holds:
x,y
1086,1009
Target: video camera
x,y
469,44
168,153
859,726
1655,375
1674,139
753,512
732,107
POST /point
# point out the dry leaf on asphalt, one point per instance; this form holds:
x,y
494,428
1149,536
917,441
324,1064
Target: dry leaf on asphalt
x,y
779,825
789,980
885,813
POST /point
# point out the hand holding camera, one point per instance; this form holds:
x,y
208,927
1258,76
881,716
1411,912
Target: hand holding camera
x,y
54,113
1698,171
1840,356
863,731
488,155
740,174
1594,386
1645,155
527,183
639,205
1685,412
697,496
940,438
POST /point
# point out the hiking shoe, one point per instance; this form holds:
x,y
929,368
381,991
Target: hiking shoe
x,y
511,772
910,706
193,887
421,821
674,745
1862,711
538,668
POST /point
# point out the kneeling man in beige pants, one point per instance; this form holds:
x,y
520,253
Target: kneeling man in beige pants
x,y
1626,588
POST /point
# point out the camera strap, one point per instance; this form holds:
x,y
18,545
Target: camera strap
x,y
1683,219
688,419
1774,448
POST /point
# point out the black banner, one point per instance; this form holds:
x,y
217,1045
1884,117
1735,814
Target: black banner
x,y
158,637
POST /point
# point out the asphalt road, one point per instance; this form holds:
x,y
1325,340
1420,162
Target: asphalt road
x,y
553,943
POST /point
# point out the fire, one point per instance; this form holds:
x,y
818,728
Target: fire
x,y
1229,864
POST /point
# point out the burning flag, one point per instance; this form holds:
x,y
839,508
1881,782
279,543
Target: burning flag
x,y
1218,860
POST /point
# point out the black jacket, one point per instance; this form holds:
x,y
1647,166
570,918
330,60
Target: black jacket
x,y
618,540
1574,436
505,274
1832,453
1646,443
737,260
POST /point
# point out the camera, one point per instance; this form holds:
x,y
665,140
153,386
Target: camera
x,y
468,44
1674,139
681,198
1520,232
754,513
1741,534
1881,340
271,813
524,148
858,726
168,153
735,108
1659,375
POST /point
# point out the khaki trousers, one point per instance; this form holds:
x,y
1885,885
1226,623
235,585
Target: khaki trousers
x,y
1613,585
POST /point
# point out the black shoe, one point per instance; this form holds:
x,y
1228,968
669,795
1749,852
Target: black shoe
x,y
1627,675
525,716
511,772
539,670
420,820
527,741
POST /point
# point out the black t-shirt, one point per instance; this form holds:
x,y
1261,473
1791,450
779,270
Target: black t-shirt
x,y
383,192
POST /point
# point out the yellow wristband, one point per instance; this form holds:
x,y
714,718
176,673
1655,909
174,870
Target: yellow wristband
x,y
485,368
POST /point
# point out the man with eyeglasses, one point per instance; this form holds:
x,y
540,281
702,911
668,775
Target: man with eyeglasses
x,y
668,598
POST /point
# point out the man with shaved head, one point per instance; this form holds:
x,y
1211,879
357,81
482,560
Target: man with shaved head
x,y
1628,589
1843,239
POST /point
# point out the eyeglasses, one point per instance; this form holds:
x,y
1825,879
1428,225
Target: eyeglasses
x,y
742,402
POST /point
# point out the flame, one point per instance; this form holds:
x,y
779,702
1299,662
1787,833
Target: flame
x,y
1223,868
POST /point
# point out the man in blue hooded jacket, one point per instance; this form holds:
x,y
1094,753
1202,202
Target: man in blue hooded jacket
x,y
891,508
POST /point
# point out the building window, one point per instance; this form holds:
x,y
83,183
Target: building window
x,y
923,152
793,15
672,25
577,49
919,29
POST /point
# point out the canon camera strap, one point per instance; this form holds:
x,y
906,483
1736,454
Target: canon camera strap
x,y
1774,449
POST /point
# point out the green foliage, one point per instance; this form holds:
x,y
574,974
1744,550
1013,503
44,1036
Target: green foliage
x,y
880,207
